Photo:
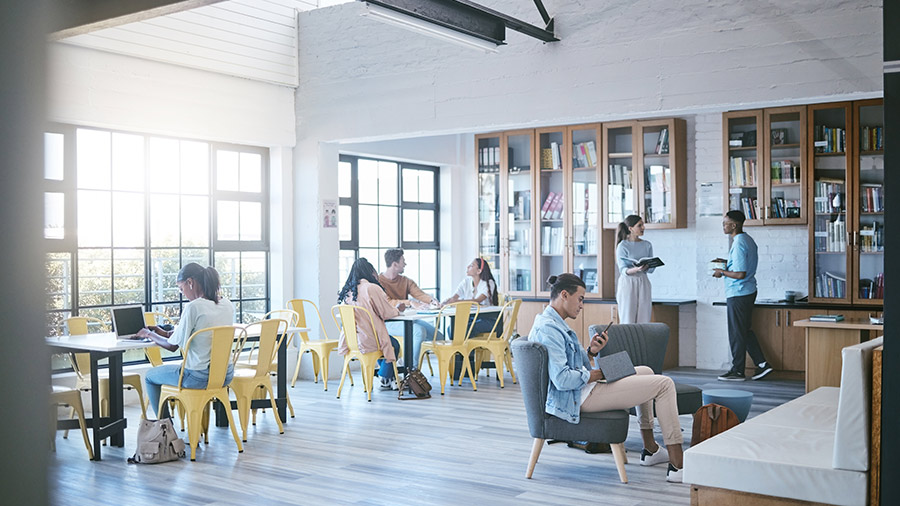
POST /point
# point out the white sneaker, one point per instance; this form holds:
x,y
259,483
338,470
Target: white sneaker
x,y
386,384
394,385
674,475
652,459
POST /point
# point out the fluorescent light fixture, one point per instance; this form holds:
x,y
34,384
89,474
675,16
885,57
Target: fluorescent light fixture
x,y
419,25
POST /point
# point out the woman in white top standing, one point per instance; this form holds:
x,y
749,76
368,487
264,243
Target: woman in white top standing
x,y
633,291
478,286
206,307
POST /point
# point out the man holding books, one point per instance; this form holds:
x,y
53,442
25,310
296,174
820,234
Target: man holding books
x,y
740,293
400,288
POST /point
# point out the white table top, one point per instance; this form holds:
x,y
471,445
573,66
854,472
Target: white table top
x,y
414,314
105,341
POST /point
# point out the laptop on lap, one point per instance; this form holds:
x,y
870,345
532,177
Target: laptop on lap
x,y
127,321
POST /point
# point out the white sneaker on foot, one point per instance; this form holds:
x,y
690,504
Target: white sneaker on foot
x,y
674,475
652,459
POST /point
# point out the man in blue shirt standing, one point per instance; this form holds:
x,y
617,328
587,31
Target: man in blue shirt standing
x,y
740,293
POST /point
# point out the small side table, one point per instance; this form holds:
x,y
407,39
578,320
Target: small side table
x,y
738,401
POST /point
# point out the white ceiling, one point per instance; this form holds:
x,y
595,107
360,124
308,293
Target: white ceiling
x,y
255,39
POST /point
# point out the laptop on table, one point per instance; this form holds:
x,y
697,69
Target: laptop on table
x,y
127,321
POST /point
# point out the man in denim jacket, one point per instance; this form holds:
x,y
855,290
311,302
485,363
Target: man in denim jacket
x,y
574,381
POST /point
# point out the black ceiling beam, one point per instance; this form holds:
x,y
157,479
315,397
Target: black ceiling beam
x,y
77,17
468,17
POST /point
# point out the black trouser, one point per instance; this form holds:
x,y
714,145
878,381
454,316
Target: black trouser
x,y
740,335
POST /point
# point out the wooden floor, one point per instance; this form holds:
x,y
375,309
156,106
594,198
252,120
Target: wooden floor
x,y
445,450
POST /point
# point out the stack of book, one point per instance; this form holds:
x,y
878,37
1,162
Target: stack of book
x,y
489,159
829,196
662,143
830,286
871,138
872,289
553,206
872,197
832,238
785,171
742,172
584,154
829,140
826,318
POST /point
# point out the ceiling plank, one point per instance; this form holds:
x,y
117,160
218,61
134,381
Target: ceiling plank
x,y
78,17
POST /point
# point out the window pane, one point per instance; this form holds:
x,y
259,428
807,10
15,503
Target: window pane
x,y
227,178
368,226
253,275
164,212
410,184
344,183
387,183
251,221
195,221
252,310
59,280
128,279
228,265
164,267
94,218
94,277
412,265
251,172
411,225
56,326
54,215
426,226
428,269
194,168
172,311
345,262
345,223
92,166
196,255
426,186
389,236
128,162
163,165
370,254
128,219
367,181
228,216
54,149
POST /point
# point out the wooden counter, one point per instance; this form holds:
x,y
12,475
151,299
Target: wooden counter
x,y
824,342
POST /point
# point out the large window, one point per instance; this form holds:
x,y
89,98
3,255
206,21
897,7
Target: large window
x,y
386,204
124,212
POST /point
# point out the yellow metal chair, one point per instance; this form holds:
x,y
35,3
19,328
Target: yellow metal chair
x,y
445,351
154,353
367,361
81,363
227,342
72,398
291,317
497,344
248,381
319,349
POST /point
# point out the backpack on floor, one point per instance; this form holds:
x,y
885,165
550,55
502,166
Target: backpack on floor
x,y
417,385
712,419
157,442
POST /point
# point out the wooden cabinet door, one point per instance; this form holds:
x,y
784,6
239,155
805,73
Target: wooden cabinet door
x,y
594,314
768,326
794,345
527,312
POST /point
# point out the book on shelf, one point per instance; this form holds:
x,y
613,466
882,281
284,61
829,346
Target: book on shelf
x,y
545,208
826,318
872,197
871,138
828,196
584,154
742,171
829,140
557,161
662,142
651,262
829,285
785,171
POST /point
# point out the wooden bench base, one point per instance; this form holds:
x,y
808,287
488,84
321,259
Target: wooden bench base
x,y
711,496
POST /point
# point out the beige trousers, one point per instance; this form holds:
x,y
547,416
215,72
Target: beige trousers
x,y
640,390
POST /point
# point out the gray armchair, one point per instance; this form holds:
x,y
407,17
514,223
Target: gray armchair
x,y
603,427
646,345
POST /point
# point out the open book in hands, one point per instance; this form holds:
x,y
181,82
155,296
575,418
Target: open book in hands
x,y
648,261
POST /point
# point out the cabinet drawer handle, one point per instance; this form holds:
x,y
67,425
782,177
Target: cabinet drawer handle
x,y
777,317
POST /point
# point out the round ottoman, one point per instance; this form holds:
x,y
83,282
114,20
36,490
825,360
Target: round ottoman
x,y
738,401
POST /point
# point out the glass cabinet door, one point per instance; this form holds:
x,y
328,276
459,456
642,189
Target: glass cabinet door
x,y
585,206
869,238
742,155
489,198
519,210
830,180
658,180
785,130
551,188
619,179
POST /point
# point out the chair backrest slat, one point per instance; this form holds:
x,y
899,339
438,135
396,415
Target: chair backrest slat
x,y
271,334
348,323
298,305
463,319
227,341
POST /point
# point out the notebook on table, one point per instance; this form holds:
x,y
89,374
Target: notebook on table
x,y
615,366
127,321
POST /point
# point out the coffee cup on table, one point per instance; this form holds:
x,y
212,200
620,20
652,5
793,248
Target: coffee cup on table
x,y
790,296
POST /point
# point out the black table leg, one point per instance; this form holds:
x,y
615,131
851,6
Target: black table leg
x,y
281,387
95,403
116,399
409,360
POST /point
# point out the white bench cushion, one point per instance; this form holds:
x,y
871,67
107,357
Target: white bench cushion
x,y
785,452
851,449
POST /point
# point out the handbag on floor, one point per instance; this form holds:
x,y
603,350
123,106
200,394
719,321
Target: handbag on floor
x,y
157,442
416,383
712,419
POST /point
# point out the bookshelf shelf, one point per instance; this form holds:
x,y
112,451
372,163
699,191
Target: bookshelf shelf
x,y
785,184
741,148
619,155
785,146
839,153
872,153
